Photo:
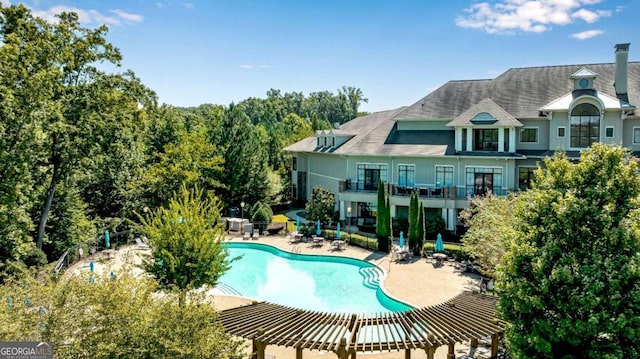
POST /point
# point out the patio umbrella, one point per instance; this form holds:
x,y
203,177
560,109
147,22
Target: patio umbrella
x,y
439,245
338,235
297,224
107,239
318,229
401,240
91,266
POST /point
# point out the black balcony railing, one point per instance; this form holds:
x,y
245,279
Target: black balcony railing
x,y
429,192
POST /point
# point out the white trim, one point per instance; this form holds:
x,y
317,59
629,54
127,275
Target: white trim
x,y
613,133
558,131
323,176
537,128
633,134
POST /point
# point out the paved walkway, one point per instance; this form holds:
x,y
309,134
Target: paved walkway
x,y
415,281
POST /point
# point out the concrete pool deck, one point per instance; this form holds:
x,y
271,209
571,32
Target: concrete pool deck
x,y
415,281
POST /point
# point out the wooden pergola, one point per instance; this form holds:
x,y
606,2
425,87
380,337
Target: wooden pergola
x,y
466,317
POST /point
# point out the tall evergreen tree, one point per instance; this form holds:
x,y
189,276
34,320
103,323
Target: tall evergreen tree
x,y
414,221
383,222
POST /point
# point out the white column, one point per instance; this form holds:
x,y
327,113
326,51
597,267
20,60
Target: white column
x,y
343,214
512,139
458,138
451,223
469,139
393,211
445,217
501,139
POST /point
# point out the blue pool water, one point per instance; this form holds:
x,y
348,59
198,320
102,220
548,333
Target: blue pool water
x,y
319,283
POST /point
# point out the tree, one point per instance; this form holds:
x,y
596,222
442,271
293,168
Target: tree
x,y
383,219
321,206
569,283
112,318
414,222
490,225
186,242
417,249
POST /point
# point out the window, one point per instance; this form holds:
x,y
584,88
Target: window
x,y
525,176
529,134
608,132
369,174
561,131
333,142
325,142
585,125
406,175
485,140
636,135
318,143
444,175
481,180
294,163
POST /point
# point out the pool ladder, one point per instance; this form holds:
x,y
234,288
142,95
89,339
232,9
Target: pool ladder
x,y
227,289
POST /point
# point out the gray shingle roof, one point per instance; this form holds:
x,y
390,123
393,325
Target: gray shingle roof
x,y
521,91
485,106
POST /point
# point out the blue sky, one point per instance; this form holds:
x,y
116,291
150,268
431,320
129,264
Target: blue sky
x,y
195,52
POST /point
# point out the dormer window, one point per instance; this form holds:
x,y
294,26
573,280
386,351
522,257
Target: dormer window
x,y
583,80
325,142
333,141
318,144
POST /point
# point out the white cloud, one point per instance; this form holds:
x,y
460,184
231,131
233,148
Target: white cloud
x,y
249,66
127,16
509,16
188,5
5,2
89,16
587,34
246,66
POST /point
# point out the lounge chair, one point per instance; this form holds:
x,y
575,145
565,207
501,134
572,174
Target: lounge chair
x,y
246,235
429,256
256,234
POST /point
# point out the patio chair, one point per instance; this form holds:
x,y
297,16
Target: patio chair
x,y
256,234
429,256
246,235
436,192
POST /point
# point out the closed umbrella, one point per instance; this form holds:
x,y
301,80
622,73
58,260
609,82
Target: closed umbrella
x,y
338,235
107,239
318,229
401,241
439,245
297,224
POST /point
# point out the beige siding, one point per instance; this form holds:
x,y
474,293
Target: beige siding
x,y
543,134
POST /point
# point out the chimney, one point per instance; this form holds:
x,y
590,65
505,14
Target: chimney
x,y
622,58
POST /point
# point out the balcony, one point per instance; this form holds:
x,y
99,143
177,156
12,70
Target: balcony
x,y
424,192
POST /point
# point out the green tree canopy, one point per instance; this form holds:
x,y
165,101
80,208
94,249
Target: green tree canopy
x,y
383,218
569,283
122,317
321,206
186,241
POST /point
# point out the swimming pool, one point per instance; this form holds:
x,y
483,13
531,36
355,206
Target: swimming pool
x,y
313,282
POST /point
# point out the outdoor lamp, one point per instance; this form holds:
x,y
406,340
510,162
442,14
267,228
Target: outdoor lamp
x,y
242,209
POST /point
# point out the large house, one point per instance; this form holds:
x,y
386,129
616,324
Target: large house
x,y
470,137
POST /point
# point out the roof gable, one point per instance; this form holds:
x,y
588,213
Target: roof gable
x,y
485,112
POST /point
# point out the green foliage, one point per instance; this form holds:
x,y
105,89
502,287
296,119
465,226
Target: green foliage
x,y
416,226
432,226
417,248
120,318
491,225
569,282
321,206
186,242
383,218
192,161
261,215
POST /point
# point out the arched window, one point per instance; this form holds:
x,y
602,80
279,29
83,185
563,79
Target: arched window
x,y
585,125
